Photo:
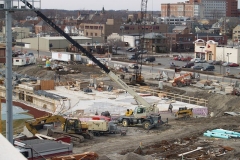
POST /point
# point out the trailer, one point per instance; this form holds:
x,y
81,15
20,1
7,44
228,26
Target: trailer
x,y
24,60
66,56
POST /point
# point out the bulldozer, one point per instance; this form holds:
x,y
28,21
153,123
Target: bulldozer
x,y
184,113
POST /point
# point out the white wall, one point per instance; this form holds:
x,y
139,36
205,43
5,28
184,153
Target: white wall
x,y
222,54
130,40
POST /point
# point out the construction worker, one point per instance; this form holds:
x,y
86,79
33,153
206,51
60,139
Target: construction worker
x,y
170,107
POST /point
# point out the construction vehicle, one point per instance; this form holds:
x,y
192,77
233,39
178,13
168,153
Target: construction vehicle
x,y
184,113
70,127
182,80
145,114
83,156
100,127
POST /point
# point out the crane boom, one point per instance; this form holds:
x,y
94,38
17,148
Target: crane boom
x,y
91,57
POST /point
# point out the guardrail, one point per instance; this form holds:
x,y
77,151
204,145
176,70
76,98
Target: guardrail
x,y
176,97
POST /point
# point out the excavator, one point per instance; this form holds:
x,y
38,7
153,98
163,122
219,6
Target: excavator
x,y
70,127
182,81
145,114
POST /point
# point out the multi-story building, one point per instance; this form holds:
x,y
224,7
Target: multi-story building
x,y
214,9
155,42
236,34
187,9
210,9
111,26
173,20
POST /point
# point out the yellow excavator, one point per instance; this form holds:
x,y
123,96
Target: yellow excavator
x,y
70,127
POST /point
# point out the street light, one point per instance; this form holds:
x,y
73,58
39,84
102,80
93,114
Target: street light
x,y
38,44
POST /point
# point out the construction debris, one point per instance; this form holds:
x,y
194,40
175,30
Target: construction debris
x,y
221,133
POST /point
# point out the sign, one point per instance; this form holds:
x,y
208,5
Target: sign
x,y
60,55
228,70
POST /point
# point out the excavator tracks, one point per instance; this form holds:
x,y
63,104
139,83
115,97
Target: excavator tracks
x,y
75,138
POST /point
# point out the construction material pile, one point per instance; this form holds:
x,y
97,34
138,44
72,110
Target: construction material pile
x,y
221,133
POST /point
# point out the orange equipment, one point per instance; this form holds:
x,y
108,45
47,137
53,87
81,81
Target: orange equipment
x,y
181,81
83,156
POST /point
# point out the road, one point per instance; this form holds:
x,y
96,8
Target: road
x,y
151,71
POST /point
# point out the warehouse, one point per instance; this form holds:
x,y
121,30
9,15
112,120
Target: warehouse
x,y
43,43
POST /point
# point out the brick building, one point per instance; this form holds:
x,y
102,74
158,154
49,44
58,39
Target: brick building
x,y
155,42
180,42
187,9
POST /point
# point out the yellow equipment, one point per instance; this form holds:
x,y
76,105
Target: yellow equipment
x,y
70,126
184,112
129,112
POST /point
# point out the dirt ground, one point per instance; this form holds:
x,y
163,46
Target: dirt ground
x,y
169,140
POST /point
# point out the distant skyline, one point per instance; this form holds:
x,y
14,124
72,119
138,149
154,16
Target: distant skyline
x,y
132,5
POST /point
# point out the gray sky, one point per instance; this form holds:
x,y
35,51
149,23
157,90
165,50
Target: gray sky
x,y
132,5
98,4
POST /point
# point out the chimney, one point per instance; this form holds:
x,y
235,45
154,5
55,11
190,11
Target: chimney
x,y
79,13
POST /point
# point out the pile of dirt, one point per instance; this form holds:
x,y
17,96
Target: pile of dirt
x,y
42,73
218,103
134,156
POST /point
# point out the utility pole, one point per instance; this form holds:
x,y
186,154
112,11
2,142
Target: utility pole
x,y
9,7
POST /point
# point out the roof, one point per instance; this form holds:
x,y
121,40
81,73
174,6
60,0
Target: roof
x,y
179,27
8,151
60,38
154,35
207,34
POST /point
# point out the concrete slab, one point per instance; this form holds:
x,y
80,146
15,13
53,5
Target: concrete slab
x,y
116,103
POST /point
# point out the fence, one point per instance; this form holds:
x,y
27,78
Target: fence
x,y
176,97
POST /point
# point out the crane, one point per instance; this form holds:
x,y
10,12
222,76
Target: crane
x,y
142,24
145,114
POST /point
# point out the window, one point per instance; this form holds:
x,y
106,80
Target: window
x,y
95,34
140,110
17,60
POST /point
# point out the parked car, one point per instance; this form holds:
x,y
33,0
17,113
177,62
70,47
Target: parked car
x,y
208,68
194,59
129,49
200,61
186,58
132,50
177,58
149,59
142,52
188,65
226,64
133,66
133,57
233,65
197,67
217,62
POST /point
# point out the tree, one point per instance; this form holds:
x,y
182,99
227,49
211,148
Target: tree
x,y
129,20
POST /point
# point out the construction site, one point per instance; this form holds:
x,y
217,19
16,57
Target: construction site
x,y
101,111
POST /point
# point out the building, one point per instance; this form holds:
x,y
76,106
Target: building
x,y
210,9
181,30
173,20
43,43
180,42
111,26
220,39
236,34
155,43
214,9
187,9
131,39
211,50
